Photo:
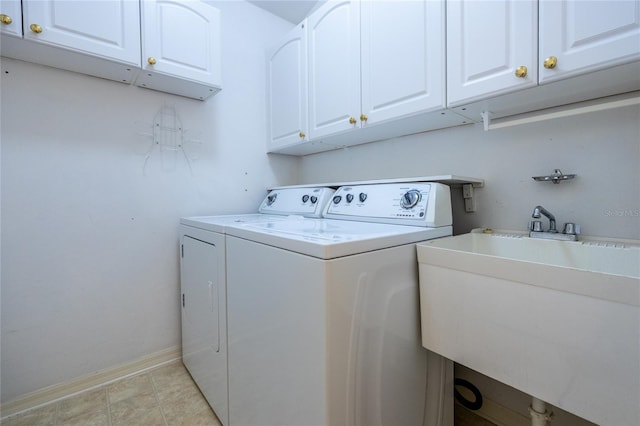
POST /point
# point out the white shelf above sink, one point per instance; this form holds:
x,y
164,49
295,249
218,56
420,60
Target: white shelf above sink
x,y
451,180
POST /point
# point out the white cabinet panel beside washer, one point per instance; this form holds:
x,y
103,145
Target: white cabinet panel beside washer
x,y
204,320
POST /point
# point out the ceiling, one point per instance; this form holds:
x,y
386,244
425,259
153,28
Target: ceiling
x,y
293,11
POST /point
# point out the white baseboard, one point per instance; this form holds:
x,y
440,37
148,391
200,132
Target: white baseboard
x,y
63,390
500,415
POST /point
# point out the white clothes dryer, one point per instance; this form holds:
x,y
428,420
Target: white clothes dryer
x,y
204,289
323,314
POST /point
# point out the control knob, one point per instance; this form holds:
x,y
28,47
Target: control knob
x,y
337,199
305,198
362,197
271,198
349,198
314,199
410,199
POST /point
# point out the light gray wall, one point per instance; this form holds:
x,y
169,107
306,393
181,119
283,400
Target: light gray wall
x,y
602,148
89,237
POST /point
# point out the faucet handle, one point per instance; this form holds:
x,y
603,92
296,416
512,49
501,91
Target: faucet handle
x,y
535,225
571,229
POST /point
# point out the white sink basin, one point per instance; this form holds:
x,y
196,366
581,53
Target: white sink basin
x,y
558,320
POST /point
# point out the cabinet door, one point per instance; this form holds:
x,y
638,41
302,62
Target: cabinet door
x,y
586,36
11,23
204,348
287,89
487,41
334,68
402,58
182,38
104,28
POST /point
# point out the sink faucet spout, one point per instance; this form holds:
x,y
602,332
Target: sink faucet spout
x,y
538,210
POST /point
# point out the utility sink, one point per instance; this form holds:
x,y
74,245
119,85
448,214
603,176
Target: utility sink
x,y
559,320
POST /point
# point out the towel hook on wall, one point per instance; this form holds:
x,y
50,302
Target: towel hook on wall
x,y
556,177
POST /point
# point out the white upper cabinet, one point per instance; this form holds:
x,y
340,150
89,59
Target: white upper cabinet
x,y
334,68
287,89
496,47
402,58
99,38
583,36
11,18
180,51
374,61
107,28
376,70
491,48
181,48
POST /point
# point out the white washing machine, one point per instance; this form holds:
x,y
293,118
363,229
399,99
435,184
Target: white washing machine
x,y
323,314
203,285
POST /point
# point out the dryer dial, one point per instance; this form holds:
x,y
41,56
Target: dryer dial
x,y
410,199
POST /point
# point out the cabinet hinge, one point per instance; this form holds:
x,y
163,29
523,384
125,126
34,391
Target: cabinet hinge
x,y
181,250
183,300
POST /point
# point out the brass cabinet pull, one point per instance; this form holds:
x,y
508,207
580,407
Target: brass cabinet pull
x,y
550,62
521,72
302,135
352,120
35,28
6,19
151,60
363,117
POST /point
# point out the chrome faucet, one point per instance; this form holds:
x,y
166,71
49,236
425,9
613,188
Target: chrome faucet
x,y
552,219
570,232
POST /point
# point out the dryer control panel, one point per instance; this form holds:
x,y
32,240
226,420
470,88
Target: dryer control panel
x,y
308,202
418,203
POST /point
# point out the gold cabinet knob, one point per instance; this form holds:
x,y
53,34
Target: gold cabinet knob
x,y
5,19
302,135
521,72
151,60
352,120
551,62
35,28
363,117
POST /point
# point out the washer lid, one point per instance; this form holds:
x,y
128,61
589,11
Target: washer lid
x,y
277,205
222,222
328,239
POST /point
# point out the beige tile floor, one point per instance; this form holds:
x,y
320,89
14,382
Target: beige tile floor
x,y
464,417
165,396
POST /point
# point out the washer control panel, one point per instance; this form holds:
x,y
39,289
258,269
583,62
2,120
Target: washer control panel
x,y
309,202
417,203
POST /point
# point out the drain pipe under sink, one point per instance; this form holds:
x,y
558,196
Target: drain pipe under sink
x,y
540,416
